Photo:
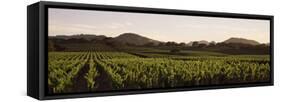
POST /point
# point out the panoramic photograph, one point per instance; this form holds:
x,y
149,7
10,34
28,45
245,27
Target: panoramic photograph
x,y
103,51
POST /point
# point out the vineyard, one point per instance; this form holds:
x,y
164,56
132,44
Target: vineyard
x,y
104,71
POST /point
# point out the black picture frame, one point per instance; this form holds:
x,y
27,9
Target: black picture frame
x,y
37,34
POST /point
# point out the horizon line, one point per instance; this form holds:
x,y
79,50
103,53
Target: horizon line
x,y
156,39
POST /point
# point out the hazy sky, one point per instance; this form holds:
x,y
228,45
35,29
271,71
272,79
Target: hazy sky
x,y
156,26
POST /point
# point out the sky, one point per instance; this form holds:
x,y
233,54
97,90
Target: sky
x,y
160,27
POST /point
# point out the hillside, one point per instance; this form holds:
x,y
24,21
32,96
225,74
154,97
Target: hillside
x,y
125,38
135,39
241,41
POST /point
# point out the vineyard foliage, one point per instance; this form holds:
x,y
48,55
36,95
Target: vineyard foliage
x,y
128,71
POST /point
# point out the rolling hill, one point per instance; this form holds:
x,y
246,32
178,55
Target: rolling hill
x,y
241,41
125,38
135,39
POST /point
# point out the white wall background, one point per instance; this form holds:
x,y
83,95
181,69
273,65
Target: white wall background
x,y
13,51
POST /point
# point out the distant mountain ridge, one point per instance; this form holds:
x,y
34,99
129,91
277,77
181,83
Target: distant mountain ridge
x,y
241,41
136,39
125,38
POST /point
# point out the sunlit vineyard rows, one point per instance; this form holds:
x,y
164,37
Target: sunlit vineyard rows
x,y
127,71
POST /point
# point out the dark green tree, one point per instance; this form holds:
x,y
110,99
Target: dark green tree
x,y
51,46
